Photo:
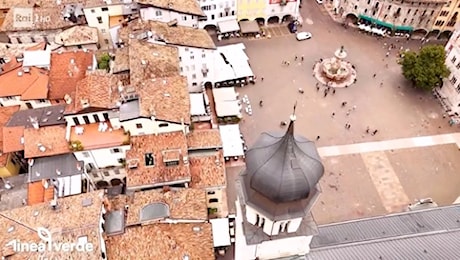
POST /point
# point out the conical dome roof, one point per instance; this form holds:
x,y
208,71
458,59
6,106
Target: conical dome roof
x,y
283,168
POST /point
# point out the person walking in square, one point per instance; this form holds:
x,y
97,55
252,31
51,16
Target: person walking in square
x,y
318,137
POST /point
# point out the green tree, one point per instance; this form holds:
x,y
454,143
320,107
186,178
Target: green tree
x,y
427,68
104,62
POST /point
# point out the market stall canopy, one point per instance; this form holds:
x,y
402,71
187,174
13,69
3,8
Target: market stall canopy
x,y
405,28
376,21
228,26
249,27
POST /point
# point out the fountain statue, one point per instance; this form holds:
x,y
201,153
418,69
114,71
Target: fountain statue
x,y
335,72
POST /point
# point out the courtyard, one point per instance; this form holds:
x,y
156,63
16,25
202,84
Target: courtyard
x,y
356,184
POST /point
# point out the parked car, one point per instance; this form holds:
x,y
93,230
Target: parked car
x,y
320,2
292,26
300,36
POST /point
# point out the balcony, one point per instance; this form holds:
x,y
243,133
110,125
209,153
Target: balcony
x,y
97,135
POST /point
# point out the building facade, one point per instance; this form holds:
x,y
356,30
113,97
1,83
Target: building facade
x,y
108,19
217,11
449,93
197,65
416,17
268,11
446,21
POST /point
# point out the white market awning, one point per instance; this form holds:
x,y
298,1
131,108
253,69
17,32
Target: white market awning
x,y
235,65
228,26
231,140
197,107
226,102
220,232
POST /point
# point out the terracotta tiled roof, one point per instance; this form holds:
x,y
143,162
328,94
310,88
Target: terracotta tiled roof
x,y
11,65
80,220
160,173
98,89
184,6
163,241
207,170
121,62
188,204
12,230
29,86
175,35
147,61
204,139
64,74
92,138
13,132
12,139
5,115
50,137
77,35
51,19
166,99
7,4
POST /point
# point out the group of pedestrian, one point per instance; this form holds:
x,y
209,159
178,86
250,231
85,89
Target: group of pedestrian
x,y
368,131
285,62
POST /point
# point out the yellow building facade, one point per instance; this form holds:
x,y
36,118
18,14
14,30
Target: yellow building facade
x,y
445,23
8,166
251,9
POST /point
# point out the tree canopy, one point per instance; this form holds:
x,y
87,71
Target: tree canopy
x,y
104,62
427,68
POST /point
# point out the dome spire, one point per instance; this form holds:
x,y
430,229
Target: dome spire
x,y
290,130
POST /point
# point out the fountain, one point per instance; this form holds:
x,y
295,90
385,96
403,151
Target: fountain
x,y
335,72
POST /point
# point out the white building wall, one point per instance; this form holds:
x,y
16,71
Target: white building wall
x,y
192,63
275,248
285,247
251,215
269,226
99,17
291,8
33,36
16,101
217,11
147,126
162,15
451,86
294,225
102,158
81,118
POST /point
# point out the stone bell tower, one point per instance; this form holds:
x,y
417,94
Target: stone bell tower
x,y
277,190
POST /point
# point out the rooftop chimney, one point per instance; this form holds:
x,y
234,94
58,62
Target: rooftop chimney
x,y
34,122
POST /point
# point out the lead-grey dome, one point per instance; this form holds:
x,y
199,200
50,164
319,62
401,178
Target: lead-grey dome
x,y
283,168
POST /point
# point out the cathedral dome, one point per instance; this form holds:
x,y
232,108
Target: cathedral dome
x,y
283,168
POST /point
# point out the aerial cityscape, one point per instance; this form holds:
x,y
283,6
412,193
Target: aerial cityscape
x,y
230,129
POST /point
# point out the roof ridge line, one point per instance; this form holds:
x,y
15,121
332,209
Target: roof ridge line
x,y
376,240
390,215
